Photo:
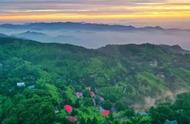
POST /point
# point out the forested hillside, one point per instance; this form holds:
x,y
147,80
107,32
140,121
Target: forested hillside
x,y
43,83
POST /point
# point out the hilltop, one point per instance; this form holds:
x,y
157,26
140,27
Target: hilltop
x,y
131,72
120,76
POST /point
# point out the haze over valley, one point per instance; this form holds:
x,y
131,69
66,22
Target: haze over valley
x,y
96,35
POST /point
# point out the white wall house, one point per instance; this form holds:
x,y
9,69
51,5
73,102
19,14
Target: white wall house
x,y
21,84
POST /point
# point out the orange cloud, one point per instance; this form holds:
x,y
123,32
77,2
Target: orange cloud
x,y
173,10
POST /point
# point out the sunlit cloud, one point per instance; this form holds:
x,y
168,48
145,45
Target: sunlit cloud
x,y
95,10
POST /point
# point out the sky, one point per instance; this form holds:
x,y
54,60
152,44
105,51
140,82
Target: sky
x,y
165,13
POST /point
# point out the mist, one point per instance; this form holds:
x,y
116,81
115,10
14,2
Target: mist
x,y
99,38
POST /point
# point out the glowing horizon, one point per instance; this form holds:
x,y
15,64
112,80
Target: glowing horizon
x,y
167,13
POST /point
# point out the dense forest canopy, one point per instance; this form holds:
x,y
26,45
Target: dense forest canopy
x,y
43,83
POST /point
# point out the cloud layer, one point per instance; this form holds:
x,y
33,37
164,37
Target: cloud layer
x,y
162,12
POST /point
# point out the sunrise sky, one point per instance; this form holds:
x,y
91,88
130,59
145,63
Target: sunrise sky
x,y
165,13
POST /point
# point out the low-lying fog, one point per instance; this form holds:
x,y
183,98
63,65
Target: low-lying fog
x,y
96,39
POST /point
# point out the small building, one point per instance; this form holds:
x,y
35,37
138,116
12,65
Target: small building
x,y
154,63
31,87
101,99
72,118
21,84
142,113
170,122
79,94
161,75
88,88
56,111
92,94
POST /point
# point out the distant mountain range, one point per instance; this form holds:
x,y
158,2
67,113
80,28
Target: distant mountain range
x,y
78,25
72,25
30,35
91,35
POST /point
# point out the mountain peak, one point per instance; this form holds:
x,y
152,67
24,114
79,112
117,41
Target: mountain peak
x,y
81,25
177,47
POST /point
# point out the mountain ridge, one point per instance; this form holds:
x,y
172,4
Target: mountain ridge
x,y
75,25
86,25
171,48
164,46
